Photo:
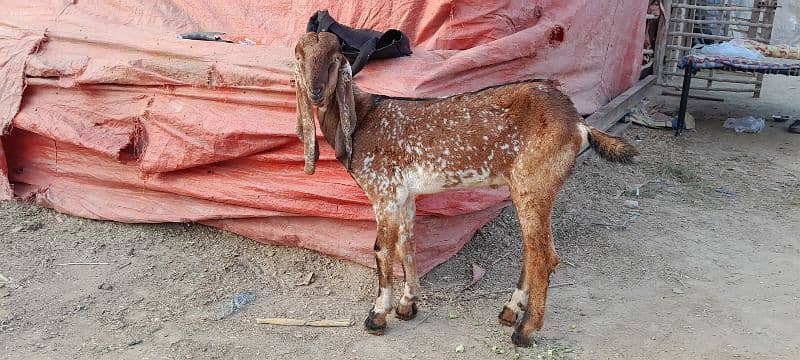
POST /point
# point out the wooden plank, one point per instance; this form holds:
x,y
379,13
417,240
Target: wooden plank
x,y
735,81
610,113
700,97
661,42
686,28
727,17
698,88
719,8
752,32
722,22
700,35
768,18
678,47
765,32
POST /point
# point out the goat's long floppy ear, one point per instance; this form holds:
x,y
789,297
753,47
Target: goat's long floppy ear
x,y
347,113
306,128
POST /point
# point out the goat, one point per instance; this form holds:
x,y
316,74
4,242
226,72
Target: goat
x,y
525,135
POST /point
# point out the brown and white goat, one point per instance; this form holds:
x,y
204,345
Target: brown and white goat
x,y
525,135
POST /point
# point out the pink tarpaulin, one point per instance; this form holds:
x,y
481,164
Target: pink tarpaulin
x,y
107,115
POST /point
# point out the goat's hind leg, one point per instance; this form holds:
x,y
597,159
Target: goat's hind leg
x,y
533,197
516,305
407,308
388,225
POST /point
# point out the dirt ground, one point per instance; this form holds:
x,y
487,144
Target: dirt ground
x,y
692,273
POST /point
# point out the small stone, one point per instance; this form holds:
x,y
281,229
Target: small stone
x,y
34,226
677,290
134,342
106,286
460,348
631,204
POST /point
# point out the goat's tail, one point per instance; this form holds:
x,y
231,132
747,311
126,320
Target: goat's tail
x,y
609,147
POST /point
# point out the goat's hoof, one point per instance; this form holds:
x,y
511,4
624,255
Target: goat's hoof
x,y
520,339
507,317
406,312
375,324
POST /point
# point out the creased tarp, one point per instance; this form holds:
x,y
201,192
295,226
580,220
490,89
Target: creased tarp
x,y
122,121
15,47
71,179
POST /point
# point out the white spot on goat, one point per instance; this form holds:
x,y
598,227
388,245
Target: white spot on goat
x,y
384,302
424,180
584,130
368,161
517,301
407,294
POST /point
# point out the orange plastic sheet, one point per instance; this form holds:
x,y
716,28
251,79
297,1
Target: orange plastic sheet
x,y
105,114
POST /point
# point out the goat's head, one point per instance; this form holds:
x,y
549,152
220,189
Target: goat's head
x,y
322,71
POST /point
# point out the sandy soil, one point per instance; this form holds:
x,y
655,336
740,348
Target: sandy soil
x,y
693,273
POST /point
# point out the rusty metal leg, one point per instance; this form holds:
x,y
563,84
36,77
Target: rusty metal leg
x,y
687,81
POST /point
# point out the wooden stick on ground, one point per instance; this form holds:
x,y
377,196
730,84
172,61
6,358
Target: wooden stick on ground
x,y
300,322
83,263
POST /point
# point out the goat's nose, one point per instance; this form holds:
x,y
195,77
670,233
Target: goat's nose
x,y
316,94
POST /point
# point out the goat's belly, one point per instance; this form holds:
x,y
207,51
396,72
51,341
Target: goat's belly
x,y
421,180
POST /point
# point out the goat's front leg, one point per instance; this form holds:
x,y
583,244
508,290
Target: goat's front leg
x,y
385,243
407,308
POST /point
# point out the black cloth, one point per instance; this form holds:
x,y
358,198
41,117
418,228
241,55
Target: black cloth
x,y
361,45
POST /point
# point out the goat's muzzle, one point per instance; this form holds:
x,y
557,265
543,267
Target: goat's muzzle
x,y
316,95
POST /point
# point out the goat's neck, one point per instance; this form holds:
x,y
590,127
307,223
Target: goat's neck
x,y
329,116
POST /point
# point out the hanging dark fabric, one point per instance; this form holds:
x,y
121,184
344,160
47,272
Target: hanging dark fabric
x,y
361,45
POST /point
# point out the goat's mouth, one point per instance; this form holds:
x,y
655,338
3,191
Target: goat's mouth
x,y
316,97
321,103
